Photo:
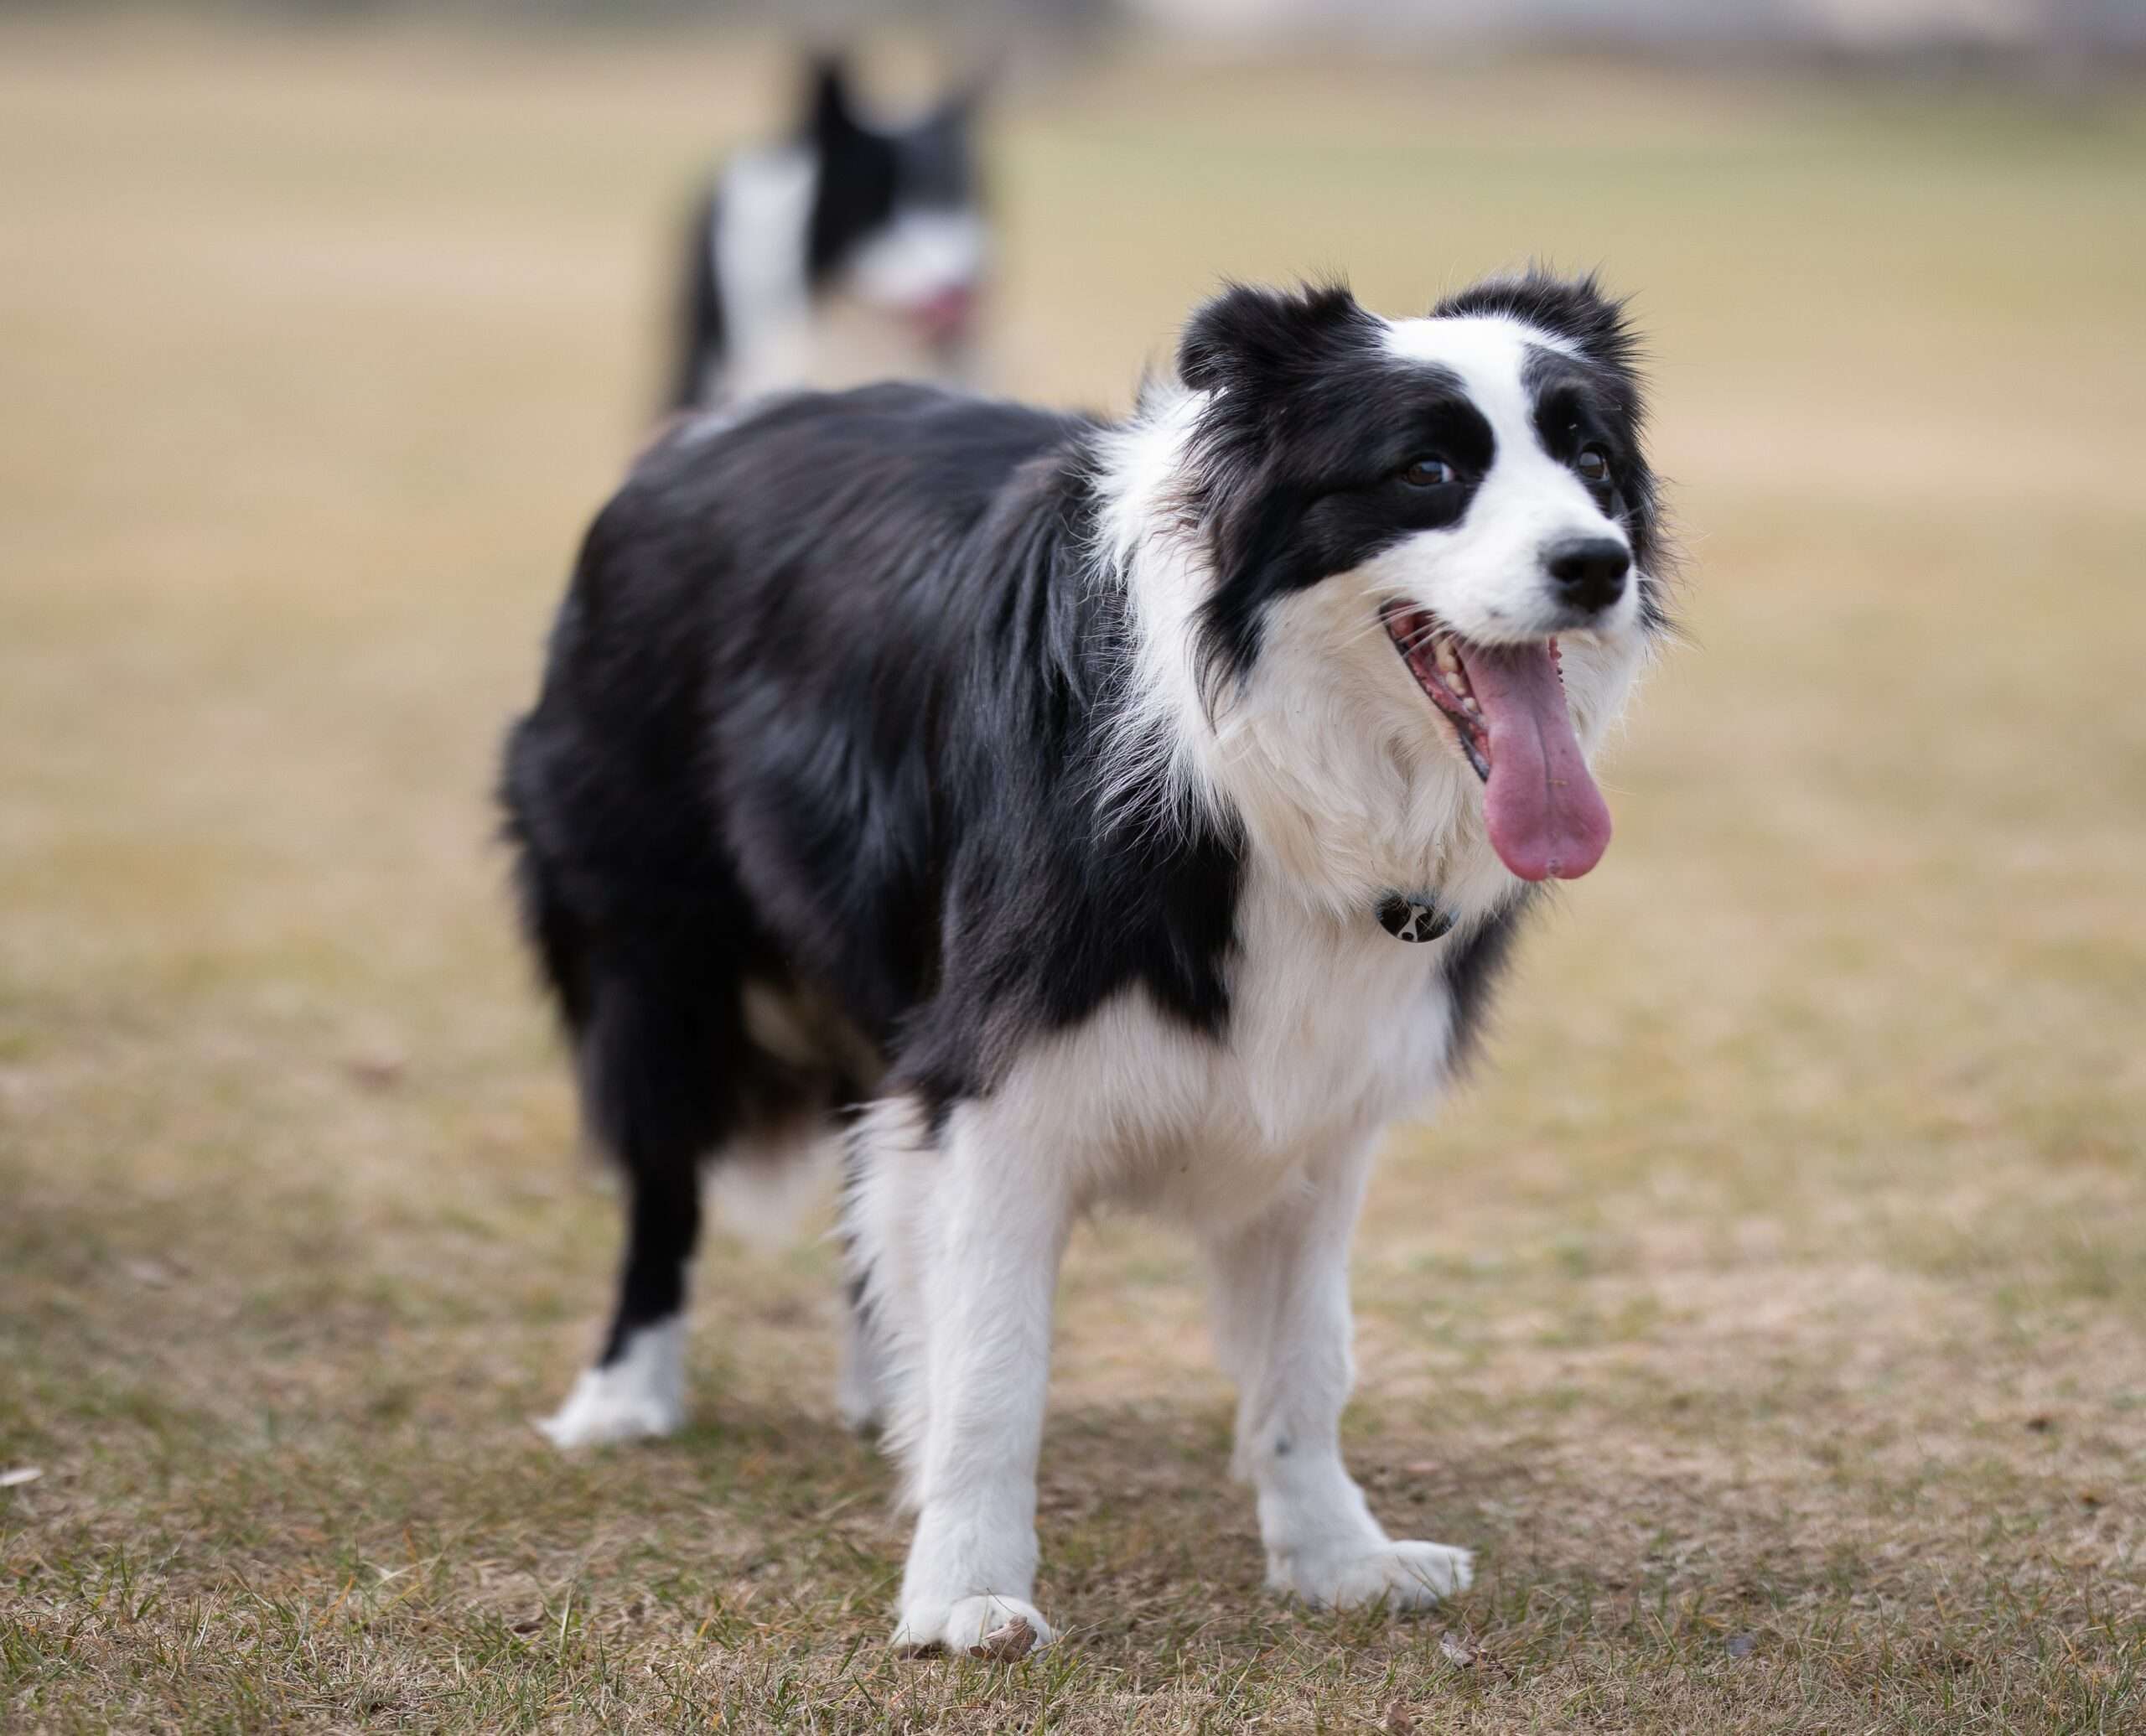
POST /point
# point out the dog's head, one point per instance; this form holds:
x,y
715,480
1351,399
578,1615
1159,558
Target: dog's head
x,y
897,220
1440,533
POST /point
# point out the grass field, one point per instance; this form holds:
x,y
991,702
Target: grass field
x,y
1771,1312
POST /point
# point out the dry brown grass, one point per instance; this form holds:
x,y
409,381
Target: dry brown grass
x,y
1773,1314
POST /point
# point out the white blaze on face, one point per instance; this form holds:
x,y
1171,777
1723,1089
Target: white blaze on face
x,y
1485,576
759,251
920,261
1486,580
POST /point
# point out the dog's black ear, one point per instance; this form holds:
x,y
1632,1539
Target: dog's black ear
x,y
1249,336
971,93
828,114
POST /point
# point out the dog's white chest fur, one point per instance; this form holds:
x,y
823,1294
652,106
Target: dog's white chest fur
x,y
1334,1027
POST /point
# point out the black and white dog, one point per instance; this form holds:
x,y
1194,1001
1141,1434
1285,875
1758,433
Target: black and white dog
x,y
1070,812
850,251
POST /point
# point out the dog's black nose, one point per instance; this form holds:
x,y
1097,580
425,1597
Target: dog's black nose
x,y
1589,571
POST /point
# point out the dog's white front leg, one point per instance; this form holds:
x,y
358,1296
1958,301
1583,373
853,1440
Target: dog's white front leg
x,y
991,1239
1283,1327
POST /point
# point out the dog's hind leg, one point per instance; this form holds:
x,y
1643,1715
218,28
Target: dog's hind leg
x,y
1281,1292
653,1088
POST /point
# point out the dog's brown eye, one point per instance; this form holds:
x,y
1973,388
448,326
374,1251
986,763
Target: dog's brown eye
x,y
1593,465
1429,471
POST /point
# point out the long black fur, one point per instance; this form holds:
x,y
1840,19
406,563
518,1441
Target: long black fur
x,y
776,747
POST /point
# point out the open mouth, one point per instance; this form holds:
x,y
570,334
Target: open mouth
x,y
944,315
1506,706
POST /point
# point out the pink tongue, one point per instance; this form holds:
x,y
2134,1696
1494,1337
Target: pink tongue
x,y
1548,820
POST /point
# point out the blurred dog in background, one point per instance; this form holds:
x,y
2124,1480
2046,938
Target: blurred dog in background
x,y
850,252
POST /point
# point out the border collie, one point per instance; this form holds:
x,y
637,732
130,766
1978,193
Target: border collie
x,y
1063,812
850,252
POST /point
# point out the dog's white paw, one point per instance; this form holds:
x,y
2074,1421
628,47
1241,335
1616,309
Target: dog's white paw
x,y
639,1396
1404,1575
596,1413
964,1622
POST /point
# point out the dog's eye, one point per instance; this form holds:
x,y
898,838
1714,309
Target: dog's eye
x,y
1593,465
1428,471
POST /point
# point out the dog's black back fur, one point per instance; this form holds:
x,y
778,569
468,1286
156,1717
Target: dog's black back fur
x,y
774,749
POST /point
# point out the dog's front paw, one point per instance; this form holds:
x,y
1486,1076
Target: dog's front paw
x,y
956,1626
603,1409
1404,1575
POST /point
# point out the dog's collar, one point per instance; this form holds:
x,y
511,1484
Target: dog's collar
x,y
1413,916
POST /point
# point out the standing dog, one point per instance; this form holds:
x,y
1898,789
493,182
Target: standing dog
x,y
1071,812
850,252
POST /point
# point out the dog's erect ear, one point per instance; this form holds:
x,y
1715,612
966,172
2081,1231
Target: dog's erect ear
x,y
827,111
969,94
949,123
1249,336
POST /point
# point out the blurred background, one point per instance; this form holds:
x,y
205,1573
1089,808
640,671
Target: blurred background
x,y
1771,1311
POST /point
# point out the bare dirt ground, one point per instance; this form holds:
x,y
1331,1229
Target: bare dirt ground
x,y
1771,1314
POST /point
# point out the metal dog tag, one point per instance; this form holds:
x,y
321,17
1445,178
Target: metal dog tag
x,y
1413,916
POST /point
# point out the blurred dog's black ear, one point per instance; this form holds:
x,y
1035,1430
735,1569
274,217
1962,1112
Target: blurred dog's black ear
x,y
972,92
1253,336
828,113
